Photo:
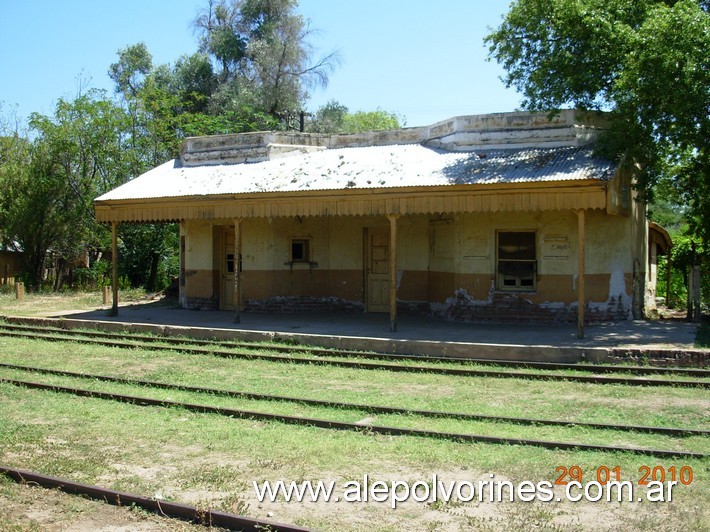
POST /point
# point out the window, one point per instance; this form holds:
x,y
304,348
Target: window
x,y
300,250
517,265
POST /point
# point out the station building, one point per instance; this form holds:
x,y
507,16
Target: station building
x,y
504,217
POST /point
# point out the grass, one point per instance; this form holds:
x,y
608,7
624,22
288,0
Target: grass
x,y
561,400
43,505
45,303
502,429
213,460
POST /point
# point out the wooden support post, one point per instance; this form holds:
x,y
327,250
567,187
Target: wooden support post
x,y
668,278
689,314
393,271
691,282
105,294
19,290
580,272
114,265
695,301
236,296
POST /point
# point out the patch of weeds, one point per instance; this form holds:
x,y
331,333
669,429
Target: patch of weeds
x,y
521,516
234,503
267,463
140,512
214,478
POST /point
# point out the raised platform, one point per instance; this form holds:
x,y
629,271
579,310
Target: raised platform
x,y
662,341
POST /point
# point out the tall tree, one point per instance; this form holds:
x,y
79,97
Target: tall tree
x,y
264,59
647,62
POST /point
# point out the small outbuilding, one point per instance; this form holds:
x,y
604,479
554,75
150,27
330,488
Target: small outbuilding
x,y
10,262
505,217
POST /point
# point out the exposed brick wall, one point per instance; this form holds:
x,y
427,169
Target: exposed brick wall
x,y
515,308
301,304
197,303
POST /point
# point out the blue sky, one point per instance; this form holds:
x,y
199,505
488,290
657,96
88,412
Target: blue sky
x,y
421,59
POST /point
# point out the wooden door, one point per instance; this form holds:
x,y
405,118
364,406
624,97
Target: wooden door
x,y
378,269
227,267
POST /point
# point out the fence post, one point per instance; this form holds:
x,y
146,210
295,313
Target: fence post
x,y
19,290
106,294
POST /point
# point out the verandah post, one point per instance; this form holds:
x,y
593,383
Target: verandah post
x,y
236,296
114,266
580,272
393,271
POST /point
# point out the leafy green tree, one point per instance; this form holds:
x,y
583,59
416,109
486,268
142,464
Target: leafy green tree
x,y
30,206
50,181
328,118
644,61
263,56
333,117
148,254
371,121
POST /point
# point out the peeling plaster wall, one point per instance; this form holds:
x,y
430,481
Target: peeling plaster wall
x,y
200,274
609,269
446,265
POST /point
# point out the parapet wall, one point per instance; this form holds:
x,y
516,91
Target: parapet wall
x,y
463,133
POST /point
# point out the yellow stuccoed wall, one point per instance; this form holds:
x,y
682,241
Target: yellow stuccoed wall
x,y
200,270
448,261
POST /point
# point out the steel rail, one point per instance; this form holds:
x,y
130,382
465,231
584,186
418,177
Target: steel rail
x,y
211,518
373,409
461,372
340,425
317,351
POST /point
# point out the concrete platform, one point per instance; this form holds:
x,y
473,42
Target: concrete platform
x,y
670,340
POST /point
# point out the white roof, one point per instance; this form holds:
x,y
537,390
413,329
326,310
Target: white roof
x,y
368,168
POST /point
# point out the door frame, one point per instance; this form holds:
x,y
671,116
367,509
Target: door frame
x,y
226,288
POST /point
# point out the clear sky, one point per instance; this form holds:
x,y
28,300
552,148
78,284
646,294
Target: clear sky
x,y
422,59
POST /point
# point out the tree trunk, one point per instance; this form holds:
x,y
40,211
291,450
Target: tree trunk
x,y
153,276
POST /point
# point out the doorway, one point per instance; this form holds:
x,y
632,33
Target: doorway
x,y
227,270
377,268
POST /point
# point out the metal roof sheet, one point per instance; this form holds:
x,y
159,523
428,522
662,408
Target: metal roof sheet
x,y
368,168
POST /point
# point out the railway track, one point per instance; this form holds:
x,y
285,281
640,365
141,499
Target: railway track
x,y
322,352
298,355
371,409
340,425
206,517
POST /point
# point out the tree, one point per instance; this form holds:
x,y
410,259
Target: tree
x,y
50,181
263,57
27,213
644,61
333,117
378,120
328,118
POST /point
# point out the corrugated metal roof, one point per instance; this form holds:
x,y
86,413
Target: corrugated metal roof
x,y
368,168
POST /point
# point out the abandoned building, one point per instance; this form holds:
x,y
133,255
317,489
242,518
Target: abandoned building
x,y
506,217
